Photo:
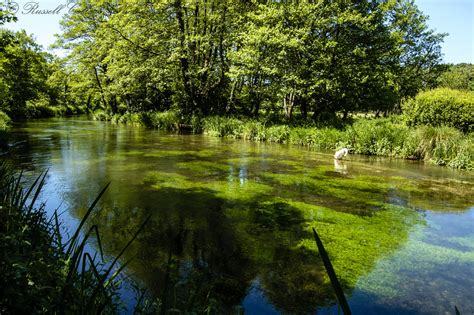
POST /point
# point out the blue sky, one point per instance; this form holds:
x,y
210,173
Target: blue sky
x,y
455,17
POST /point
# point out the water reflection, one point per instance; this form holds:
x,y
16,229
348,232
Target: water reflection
x,y
340,166
231,220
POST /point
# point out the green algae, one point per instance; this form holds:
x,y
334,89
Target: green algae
x,y
353,241
174,153
232,189
245,211
205,167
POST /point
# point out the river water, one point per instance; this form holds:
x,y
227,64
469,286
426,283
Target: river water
x,y
231,220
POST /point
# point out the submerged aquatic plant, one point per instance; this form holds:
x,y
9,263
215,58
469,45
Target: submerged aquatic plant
x,y
341,298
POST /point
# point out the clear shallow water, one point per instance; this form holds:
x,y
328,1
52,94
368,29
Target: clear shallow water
x,y
231,220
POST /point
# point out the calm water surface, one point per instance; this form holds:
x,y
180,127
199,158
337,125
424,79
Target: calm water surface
x,y
231,220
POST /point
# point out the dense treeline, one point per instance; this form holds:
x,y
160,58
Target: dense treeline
x,y
169,64
248,57
32,82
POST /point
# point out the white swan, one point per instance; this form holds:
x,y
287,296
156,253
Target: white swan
x,y
339,155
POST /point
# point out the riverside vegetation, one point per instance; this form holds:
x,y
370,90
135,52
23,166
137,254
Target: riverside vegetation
x,y
42,271
267,71
297,72
228,212
392,137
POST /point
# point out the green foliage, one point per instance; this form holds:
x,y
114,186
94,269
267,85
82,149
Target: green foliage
x,y
279,134
168,120
441,106
221,58
42,109
6,12
222,127
376,137
458,77
42,272
4,121
4,126
32,83
385,137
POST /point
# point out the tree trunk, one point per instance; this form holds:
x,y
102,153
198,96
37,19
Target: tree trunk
x,y
100,87
288,104
183,60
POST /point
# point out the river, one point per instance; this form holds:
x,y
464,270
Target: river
x,y
231,220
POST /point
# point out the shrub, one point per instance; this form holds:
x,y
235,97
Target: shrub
x,y
196,123
464,157
441,106
301,136
43,110
459,77
168,120
279,134
376,137
221,126
251,130
101,115
4,121
326,138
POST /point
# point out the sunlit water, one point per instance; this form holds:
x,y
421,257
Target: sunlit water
x,y
231,220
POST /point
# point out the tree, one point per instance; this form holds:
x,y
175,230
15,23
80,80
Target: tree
x,y
6,12
23,71
220,57
459,77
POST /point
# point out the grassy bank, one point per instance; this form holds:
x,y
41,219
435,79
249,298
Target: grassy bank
x,y
4,126
383,137
42,110
41,271
389,137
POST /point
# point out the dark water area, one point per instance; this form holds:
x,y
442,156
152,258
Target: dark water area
x,y
231,220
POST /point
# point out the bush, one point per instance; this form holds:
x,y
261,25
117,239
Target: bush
x,y
383,136
42,110
439,107
251,130
376,137
4,121
279,134
168,120
221,126
101,115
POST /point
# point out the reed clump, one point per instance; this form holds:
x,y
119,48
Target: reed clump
x,y
440,145
42,272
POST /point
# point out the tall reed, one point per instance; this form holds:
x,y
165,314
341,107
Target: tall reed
x,y
41,270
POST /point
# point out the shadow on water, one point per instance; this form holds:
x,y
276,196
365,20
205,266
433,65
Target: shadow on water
x,y
192,255
231,218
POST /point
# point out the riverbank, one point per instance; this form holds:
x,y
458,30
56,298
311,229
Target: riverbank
x,y
43,272
389,137
4,126
261,202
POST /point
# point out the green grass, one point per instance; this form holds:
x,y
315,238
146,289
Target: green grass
x,y
384,137
43,272
4,126
168,120
391,137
